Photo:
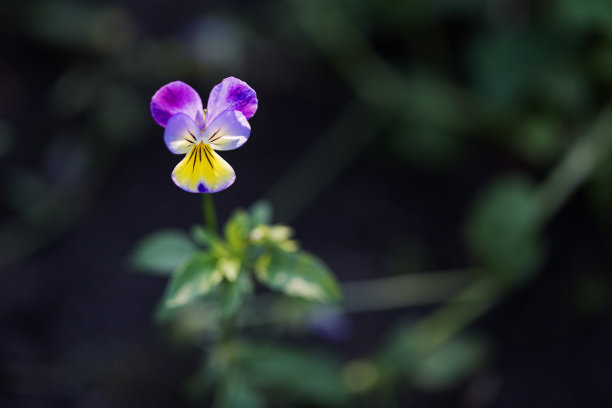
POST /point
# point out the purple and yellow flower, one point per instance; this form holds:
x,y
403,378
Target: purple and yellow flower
x,y
199,133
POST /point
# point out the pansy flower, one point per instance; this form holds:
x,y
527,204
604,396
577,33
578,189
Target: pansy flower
x,y
200,133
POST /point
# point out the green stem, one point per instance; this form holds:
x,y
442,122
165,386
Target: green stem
x,y
395,292
457,313
226,343
413,289
577,166
210,217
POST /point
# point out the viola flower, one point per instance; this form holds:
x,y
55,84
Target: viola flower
x,y
199,133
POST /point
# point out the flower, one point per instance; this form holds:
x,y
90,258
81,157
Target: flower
x,y
199,133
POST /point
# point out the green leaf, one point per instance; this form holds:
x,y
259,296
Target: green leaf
x,y
261,214
238,394
503,231
506,84
407,353
236,292
203,236
195,323
237,230
196,278
162,252
214,244
451,363
298,274
539,139
229,268
297,374
585,15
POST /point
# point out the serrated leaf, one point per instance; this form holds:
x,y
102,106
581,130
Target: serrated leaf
x,y
162,252
298,274
196,278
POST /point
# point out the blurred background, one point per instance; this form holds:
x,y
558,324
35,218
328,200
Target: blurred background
x,y
453,156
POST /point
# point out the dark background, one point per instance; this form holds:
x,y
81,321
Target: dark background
x,y
381,126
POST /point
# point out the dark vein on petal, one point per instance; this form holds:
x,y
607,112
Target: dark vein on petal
x,y
207,158
194,159
191,153
212,138
192,135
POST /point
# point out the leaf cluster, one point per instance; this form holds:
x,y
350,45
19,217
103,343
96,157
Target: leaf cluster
x,y
222,268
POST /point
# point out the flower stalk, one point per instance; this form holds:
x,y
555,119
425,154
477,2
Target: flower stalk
x,y
210,216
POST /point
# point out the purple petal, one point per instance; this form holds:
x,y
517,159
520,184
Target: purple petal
x,y
199,120
228,131
181,133
175,97
231,94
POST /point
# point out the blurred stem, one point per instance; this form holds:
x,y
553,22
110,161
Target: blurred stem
x,y
210,216
226,345
457,313
577,165
374,80
382,94
413,289
228,323
394,292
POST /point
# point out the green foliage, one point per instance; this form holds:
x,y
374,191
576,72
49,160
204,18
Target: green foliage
x,y
505,82
163,252
236,293
431,368
526,76
585,14
297,274
261,214
451,363
238,394
538,139
196,278
211,278
298,375
503,230
237,231
204,236
249,244
258,372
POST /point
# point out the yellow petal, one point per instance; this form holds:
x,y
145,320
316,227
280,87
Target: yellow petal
x,y
203,171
